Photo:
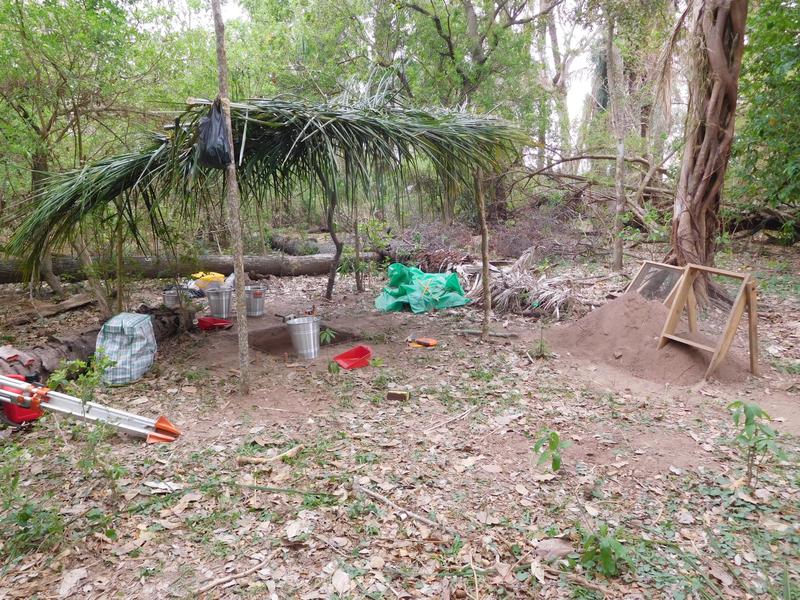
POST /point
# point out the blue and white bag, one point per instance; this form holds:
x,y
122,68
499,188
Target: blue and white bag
x,y
127,339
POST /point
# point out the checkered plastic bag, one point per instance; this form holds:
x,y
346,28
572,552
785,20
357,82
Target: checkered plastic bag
x,y
127,339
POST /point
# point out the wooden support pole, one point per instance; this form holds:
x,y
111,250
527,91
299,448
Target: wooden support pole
x,y
752,325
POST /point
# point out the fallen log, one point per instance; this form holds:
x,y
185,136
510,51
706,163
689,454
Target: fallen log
x,y
44,309
46,358
150,268
296,246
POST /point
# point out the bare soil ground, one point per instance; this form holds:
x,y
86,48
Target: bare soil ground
x,y
440,496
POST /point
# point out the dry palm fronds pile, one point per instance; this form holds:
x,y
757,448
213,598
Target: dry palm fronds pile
x,y
441,260
521,290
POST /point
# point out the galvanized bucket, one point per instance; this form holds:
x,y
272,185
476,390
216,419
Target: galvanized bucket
x,y
304,332
220,301
171,299
254,296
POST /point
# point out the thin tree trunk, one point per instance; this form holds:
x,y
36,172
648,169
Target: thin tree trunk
x,y
234,212
357,246
119,239
487,293
81,249
717,44
338,244
39,168
46,273
618,127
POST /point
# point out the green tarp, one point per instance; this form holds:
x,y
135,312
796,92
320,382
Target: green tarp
x,y
421,292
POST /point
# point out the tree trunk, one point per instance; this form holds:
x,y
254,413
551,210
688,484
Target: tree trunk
x,y
487,293
234,213
88,269
618,128
150,268
359,270
39,167
338,244
717,43
119,239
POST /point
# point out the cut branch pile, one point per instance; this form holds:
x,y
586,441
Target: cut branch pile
x,y
521,290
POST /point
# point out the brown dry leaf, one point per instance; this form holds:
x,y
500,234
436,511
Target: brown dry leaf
x,y
505,573
492,468
591,509
341,582
551,549
297,527
167,524
183,503
70,579
537,570
721,575
466,463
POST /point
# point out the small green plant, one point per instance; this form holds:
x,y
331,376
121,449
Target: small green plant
x,y
366,458
376,362
789,367
326,336
334,368
31,528
602,551
755,437
481,375
541,350
548,447
80,378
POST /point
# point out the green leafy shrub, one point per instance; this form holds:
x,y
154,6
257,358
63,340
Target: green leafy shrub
x,y
548,447
755,437
602,551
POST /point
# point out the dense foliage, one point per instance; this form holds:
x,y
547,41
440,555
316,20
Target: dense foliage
x,y
768,142
81,79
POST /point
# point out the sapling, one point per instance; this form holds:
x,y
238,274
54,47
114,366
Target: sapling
x,y
548,447
755,437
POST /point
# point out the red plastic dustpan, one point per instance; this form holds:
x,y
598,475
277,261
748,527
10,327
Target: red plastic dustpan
x,y
210,323
354,358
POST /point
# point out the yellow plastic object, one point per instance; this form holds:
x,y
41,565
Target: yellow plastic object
x,y
203,279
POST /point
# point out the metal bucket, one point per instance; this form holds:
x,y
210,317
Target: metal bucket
x,y
304,332
220,301
254,296
171,299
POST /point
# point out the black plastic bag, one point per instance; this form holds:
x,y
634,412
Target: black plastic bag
x,y
213,150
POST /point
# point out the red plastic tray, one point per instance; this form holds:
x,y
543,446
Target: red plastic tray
x,y
355,358
211,323
18,414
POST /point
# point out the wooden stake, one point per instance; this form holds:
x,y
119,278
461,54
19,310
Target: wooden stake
x,y
691,310
752,325
674,316
730,329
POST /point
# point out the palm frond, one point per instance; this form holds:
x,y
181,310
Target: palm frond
x,y
279,144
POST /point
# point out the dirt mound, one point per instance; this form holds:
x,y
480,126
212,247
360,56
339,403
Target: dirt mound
x,y
624,334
